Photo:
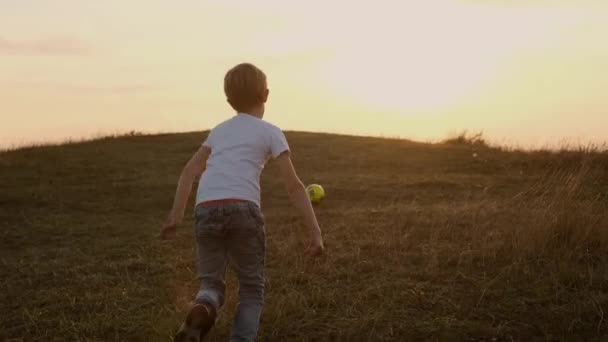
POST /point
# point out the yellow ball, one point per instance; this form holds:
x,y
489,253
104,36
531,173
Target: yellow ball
x,y
315,193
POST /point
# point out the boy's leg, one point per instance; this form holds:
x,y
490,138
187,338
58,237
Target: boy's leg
x,y
212,259
212,256
246,248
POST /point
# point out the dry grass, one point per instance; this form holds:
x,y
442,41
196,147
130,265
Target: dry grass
x,y
425,242
466,138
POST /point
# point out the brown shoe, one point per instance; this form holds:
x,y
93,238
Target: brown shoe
x,y
199,321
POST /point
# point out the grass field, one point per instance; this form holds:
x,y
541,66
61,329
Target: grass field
x,y
438,242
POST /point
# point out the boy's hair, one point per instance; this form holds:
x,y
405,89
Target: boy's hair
x,y
245,86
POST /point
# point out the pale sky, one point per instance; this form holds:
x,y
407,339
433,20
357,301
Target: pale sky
x,y
523,72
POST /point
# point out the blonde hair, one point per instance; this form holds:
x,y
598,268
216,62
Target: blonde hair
x,y
245,86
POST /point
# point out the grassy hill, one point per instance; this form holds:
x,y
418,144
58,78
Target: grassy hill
x,y
444,242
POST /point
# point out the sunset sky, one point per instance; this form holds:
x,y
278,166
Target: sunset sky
x,y
523,72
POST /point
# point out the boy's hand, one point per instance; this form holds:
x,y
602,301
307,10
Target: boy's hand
x,y
169,229
315,247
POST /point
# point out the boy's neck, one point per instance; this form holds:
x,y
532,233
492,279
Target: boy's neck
x,y
257,112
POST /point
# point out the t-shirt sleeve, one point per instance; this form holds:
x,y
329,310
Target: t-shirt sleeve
x,y
278,142
209,141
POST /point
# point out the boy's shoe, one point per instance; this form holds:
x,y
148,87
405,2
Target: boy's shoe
x,y
199,321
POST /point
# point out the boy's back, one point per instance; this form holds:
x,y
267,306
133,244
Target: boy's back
x,y
239,147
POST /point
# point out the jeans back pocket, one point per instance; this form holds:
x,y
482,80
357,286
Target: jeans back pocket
x,y
208,221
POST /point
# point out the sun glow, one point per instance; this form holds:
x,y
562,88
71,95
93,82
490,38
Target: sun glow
x,y
409,68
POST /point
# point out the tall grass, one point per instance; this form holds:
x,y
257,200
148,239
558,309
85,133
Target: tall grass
x,y
466,138
565,214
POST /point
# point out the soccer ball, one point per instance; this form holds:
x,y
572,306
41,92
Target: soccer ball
x,y
315,193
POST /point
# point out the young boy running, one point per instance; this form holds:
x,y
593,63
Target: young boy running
x,y
229,223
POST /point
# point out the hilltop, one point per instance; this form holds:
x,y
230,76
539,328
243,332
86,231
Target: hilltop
x,y
451,241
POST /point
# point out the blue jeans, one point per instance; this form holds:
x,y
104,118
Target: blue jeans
x,y
232,232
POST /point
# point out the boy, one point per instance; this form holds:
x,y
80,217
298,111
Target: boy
x,y
229,223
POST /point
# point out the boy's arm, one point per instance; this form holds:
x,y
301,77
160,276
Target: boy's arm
x,y
299,198
195,167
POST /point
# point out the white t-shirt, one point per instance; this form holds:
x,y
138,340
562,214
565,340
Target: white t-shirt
x,y
240,148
